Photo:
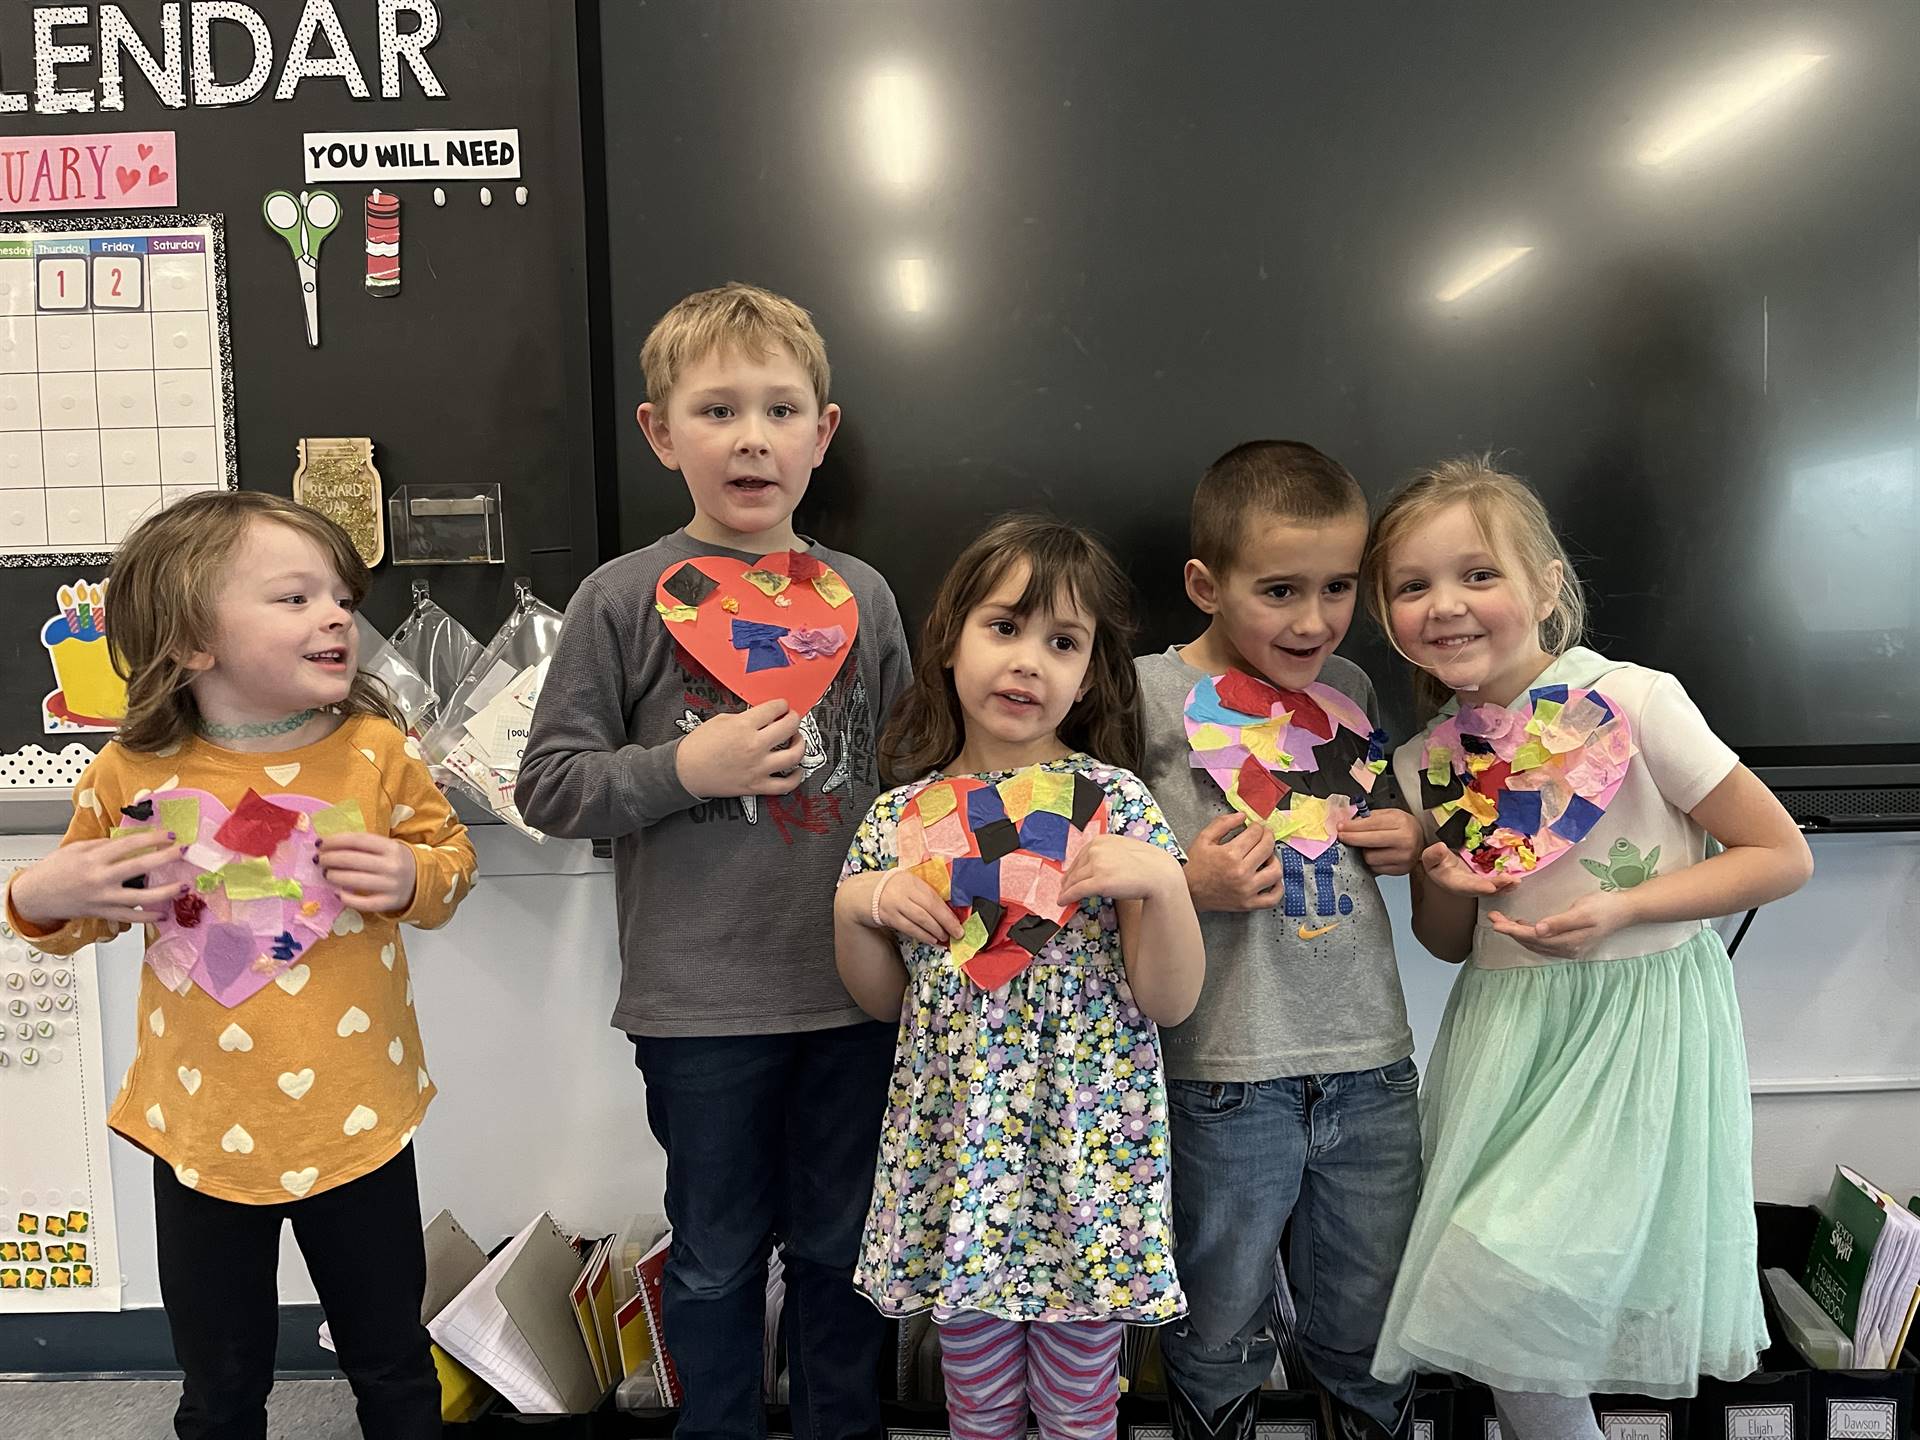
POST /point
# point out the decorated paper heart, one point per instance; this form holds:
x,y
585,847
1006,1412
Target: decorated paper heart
x,y
257,899
779,628
997,855
1514,789
1298,762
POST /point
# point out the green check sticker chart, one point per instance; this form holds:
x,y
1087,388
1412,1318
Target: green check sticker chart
x,y
58,1239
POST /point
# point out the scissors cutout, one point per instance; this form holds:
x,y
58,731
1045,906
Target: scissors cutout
x,y
303,221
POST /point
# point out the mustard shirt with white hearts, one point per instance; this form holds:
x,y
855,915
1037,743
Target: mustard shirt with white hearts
x,y
318,1078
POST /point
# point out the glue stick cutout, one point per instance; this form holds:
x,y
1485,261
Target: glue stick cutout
x,y
383,244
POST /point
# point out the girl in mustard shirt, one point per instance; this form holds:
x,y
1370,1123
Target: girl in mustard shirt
x,y
263,816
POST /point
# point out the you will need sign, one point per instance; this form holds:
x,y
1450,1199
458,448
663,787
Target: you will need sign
x,y
412,155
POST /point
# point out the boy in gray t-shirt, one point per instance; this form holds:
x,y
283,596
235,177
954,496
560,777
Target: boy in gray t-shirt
x,y
1292,1088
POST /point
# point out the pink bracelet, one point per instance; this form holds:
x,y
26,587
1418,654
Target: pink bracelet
x,y
876,898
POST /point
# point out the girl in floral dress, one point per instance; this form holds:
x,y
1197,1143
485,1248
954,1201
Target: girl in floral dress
x,y
1021,1191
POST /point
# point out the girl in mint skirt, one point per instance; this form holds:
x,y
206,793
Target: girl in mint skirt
x,y
1586,1223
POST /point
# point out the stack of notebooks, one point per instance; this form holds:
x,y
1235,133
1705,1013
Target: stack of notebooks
x,y
553,1324
1862,1282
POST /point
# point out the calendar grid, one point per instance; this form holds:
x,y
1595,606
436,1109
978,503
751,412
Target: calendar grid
x,y
115,379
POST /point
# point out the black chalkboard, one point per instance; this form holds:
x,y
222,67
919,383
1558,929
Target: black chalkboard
x,y
1066,253
477,371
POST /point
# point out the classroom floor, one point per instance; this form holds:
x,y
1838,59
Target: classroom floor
x,y
143,1410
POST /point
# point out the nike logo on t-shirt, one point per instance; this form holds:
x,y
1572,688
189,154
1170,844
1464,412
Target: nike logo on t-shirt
x,y
1305,934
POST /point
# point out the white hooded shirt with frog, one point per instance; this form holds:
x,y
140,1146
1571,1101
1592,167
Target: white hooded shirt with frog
x,y
1645,831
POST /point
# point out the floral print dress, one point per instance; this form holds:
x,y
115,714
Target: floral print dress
x,y
1023,1166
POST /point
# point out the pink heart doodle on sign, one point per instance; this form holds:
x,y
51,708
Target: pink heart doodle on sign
x,y
146,152
155,175
128,176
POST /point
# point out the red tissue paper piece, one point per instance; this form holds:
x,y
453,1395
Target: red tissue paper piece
x,y
1243,692
1259,787
256,826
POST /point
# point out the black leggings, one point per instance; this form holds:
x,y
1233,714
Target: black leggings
x,y
219,1262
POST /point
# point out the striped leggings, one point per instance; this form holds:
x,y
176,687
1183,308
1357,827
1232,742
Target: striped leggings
x,y
1068,1372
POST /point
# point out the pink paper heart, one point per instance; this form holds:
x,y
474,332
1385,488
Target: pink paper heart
x,y
156,176
1588,747
146,152
226,946
1327,750
1033,842
128,176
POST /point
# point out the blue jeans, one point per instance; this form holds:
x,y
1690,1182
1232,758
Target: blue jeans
x,y
1340,1155
770,1136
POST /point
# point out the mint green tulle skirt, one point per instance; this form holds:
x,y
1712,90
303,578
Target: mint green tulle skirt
x,y
1586,1224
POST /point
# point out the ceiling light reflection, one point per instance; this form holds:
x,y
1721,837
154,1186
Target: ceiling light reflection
x,y
1483,269
1723,101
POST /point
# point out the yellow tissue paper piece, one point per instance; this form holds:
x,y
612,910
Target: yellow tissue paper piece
x,y
1479,806
1530,756
342,819
181,815
938,874
1545,712
1016,794
1309,814
770,581
936,802
1211,737
253,879
832,589
1263,743
1053,792
676,614
973,939
1439,765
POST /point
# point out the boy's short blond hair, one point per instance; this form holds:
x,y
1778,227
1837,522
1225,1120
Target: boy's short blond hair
x,y
733,316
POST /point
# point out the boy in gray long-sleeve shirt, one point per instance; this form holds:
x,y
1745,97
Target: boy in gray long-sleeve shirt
x,y
765,1082
1291,1089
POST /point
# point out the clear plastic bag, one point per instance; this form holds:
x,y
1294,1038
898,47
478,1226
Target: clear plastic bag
x,y
482,731
438,646
404,684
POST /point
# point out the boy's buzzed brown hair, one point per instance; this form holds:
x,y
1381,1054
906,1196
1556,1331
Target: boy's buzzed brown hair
x,y
1281,479
731,316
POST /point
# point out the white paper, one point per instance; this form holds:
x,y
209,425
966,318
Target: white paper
x,y
53,1114
477,1331
339,155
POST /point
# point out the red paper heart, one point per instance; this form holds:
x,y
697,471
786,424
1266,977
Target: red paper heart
x,y
155,175
1001,851
128,176
709,636
146,152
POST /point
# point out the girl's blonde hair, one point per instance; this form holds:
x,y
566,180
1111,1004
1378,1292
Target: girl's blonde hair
x,y
166,580
1516,527
1063,561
